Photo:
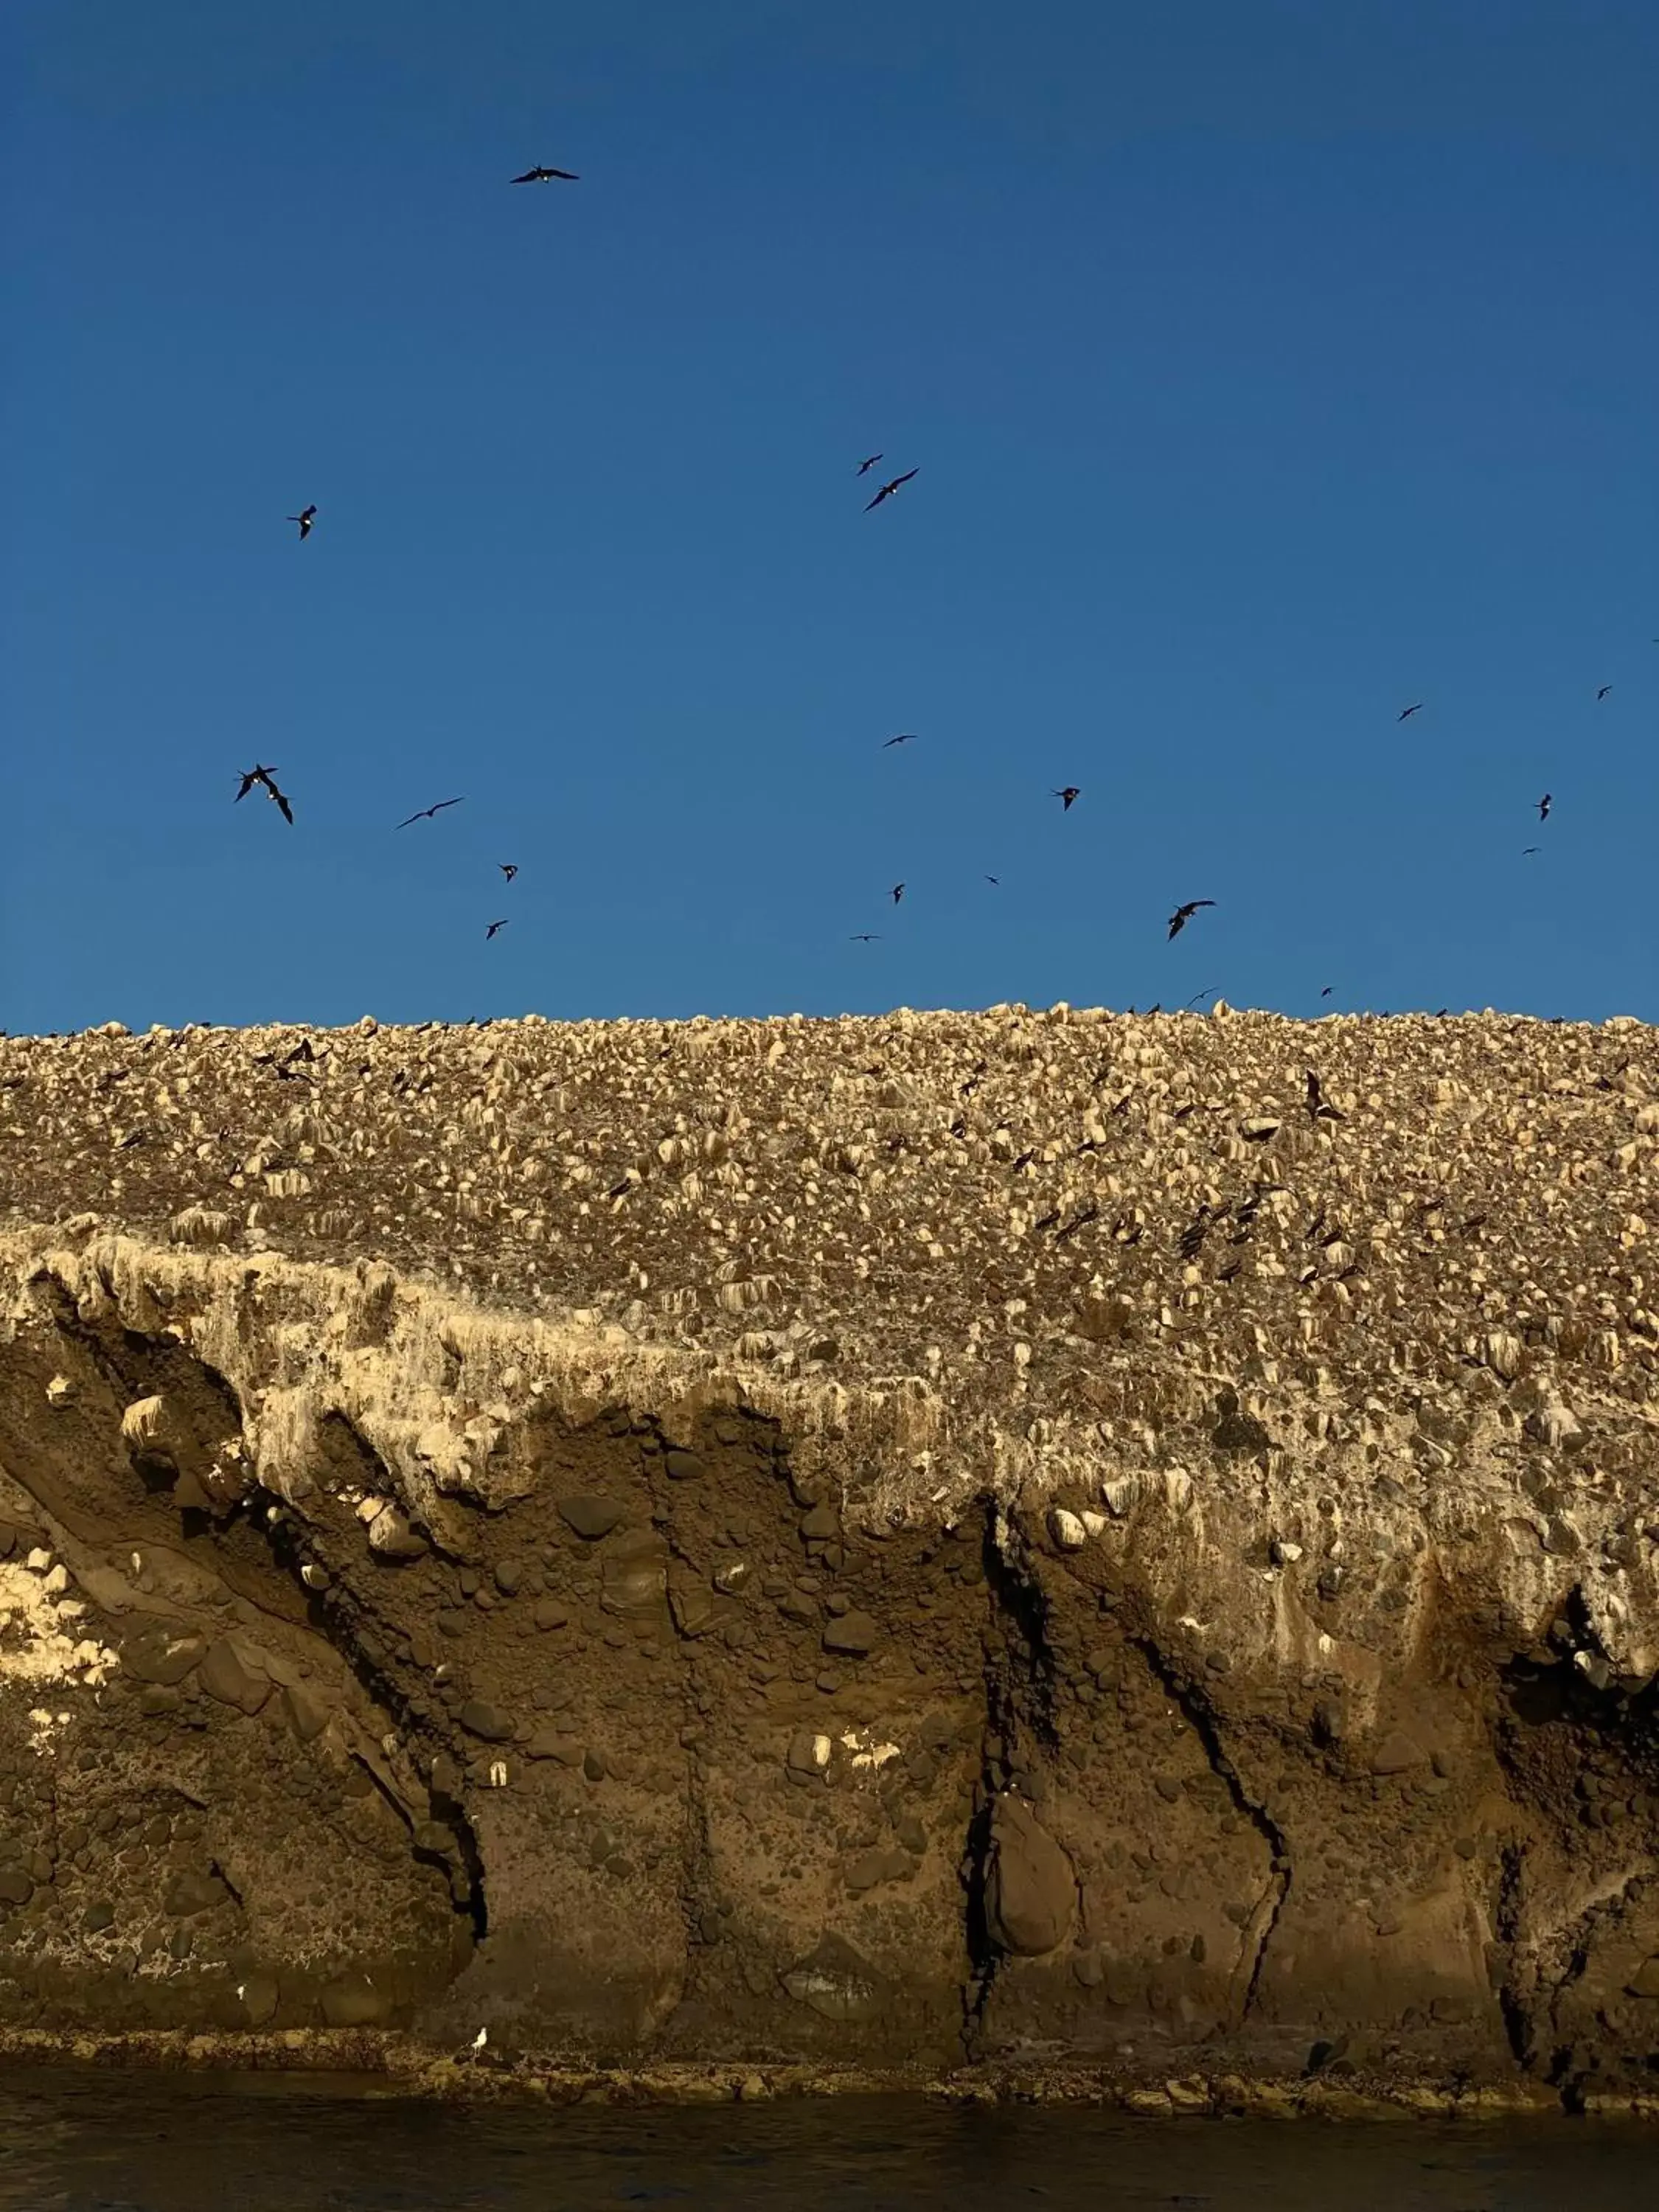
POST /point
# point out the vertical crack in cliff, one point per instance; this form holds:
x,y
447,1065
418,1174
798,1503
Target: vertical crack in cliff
x,y
1200,1716
1019,1698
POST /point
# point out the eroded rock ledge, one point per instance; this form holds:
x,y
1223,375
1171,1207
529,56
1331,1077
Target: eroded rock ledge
x,y
1019,1539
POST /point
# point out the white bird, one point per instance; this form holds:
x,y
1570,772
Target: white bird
x,y
481,2039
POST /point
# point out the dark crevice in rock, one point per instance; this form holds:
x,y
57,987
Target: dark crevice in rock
x,y
1200,1716
1020,1697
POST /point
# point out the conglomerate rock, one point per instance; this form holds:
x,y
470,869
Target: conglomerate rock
x,y
1012,1535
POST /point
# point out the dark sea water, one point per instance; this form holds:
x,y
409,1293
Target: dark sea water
x,y
104,2143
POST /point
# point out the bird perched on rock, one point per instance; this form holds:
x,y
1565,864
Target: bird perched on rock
x,y
540,175
509,868
866,464
493,927
888,489
304,518
1183,914
427,812
264,776
1317,1105
1065,795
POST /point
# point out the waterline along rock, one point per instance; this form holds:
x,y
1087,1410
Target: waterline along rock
x,y
999,1537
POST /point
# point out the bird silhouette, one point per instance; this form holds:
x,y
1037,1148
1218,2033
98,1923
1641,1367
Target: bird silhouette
x,y
904,737
997,881
888,489
865,936
261,774
493,927
1406,712
1527,851
304,518
1604,690
898,893
1544,805
427,812
509,868
1183,914
1072,791
865,466
540,175
1326,993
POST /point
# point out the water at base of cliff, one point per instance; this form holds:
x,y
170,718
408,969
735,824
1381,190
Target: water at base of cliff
x,y
130,2142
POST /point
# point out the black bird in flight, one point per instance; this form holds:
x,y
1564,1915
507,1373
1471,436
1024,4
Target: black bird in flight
x,y
888,489
1071,792
904,737
1326,993
1197,995
1527,851
258,774
540,175
865,466
865,936
1603,692
305,517
427,812
1183,914
509,868
997,881
1544,807
493,927
898,893
1406,712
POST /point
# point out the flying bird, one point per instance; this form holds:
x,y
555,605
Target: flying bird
x,y
427,812
305,517
1527,851
1406,712
260,775
493,927
865,466
1326,993
888,489
1544,807
1604,690
904,737
865,936
540,175
1183,914
898,893
997,881
1072,791
509,868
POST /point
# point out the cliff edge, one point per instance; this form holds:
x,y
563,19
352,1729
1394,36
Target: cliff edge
x,y
1044,1538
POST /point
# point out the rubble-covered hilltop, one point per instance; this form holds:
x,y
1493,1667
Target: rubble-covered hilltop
x,y
1013,1536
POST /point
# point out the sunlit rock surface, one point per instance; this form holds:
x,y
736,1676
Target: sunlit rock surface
x,y
1029,1536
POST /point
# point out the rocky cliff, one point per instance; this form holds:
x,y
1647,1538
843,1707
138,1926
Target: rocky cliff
x,y
1035,1537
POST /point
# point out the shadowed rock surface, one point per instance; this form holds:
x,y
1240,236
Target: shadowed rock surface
x,y
1029,1537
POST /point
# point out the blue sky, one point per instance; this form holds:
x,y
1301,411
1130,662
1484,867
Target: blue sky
x,y
1269,367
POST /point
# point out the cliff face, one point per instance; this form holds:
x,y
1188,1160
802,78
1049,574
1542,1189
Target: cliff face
x,y
1027,1536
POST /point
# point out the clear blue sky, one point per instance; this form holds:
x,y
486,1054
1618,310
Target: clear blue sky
x,y
1269,365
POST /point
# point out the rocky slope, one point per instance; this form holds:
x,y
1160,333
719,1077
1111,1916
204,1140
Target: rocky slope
x,y
1046,1537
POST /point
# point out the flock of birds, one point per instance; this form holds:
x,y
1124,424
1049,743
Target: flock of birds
x,y
264,776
